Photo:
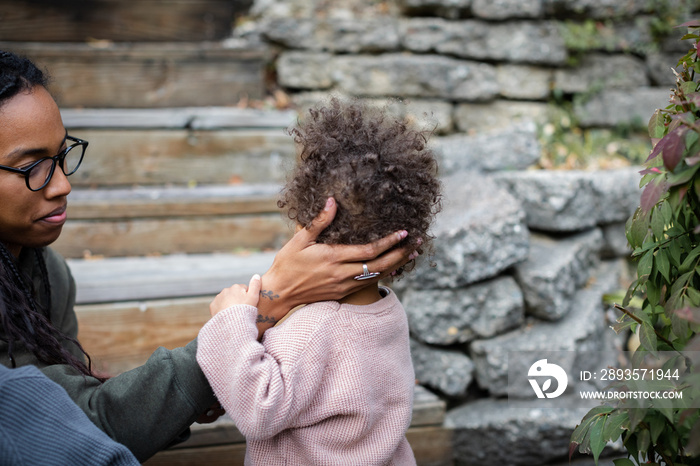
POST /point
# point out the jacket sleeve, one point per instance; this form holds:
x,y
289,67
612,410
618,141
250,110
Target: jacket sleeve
x,y
145,408
263,393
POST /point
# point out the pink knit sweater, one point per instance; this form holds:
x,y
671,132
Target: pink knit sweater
x,y
330,385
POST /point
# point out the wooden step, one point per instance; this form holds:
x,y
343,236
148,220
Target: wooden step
x,y
168,220
146,75
129,306
118,20
106,280
201,145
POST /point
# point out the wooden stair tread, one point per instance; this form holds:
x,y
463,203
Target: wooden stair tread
x,y
137,278
177,118
149,74
172,201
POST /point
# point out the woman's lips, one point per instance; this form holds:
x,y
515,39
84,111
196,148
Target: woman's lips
x,y
57,217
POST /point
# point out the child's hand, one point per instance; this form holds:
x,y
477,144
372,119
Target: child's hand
x,y
237,294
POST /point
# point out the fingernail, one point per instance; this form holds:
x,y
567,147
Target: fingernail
x,y
420,241
256,277
329,203
403,234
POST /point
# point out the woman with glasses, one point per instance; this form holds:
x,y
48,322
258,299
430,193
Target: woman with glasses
x,y
153,405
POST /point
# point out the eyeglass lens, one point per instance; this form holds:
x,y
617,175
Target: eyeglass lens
x,y
41,173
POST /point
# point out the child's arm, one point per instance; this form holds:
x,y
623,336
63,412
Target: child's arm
x,y
249,383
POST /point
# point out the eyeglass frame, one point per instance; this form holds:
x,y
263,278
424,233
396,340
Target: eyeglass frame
x,y
57,159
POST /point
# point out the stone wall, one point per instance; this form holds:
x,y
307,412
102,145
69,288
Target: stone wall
x,y
522,256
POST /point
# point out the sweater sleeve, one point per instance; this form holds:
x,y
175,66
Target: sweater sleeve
x,y
260,392
145,408
39,424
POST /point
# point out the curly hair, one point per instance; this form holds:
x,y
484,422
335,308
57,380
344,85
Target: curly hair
x,y
378,168
18,74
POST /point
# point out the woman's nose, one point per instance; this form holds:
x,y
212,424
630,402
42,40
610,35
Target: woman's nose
x,y
58,185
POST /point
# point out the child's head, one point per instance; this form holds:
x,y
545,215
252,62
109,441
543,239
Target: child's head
x,y
376,166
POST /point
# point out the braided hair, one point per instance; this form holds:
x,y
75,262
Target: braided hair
x,y
23,321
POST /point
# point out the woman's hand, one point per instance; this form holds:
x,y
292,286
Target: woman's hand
x,y
237,294
304,271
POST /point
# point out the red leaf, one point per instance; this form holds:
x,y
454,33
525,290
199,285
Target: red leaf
x,y
658,147
572,449
652,193
674,147
690,24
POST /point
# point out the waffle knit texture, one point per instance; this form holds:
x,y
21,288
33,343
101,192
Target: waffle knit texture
x,y
40,425
330,385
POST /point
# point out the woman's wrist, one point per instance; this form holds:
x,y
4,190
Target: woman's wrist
x,y
275,301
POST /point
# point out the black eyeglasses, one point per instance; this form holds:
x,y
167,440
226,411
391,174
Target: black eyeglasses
x,y
38,174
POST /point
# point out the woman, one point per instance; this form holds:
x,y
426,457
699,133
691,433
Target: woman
x,y
151,406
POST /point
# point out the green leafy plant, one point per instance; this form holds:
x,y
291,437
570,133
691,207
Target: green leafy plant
x,y
662,306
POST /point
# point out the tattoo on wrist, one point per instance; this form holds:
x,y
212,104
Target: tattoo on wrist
x,y
269,294
265,319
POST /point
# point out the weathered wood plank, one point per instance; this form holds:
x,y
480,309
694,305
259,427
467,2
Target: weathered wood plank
x,y
155,202
172,235
431,447
142,75
181,157
220,455
140,278
176,118
119,20
121,336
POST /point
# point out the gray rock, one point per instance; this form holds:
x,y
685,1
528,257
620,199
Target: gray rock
x,y
474,117
577,336
479,233
507,9
415,76
304,70
615,242
660,66
432,114
555,269
512,148
335,35
524,82
528,41
491,432
567,201
447,371
596,71
596,9
613,107
482,310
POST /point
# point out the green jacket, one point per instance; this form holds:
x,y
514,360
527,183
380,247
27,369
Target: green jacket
x,y
146,408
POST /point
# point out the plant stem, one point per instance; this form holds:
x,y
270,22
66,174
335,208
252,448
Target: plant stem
x,y
639,321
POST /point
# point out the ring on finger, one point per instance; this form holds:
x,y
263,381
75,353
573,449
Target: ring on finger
x,y
366,274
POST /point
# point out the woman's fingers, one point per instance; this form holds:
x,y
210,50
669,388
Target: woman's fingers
x,y
308,235
254,289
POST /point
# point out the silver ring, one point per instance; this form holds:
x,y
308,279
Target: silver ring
x,y
366,275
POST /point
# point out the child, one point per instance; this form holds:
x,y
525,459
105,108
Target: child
x,y
333,383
